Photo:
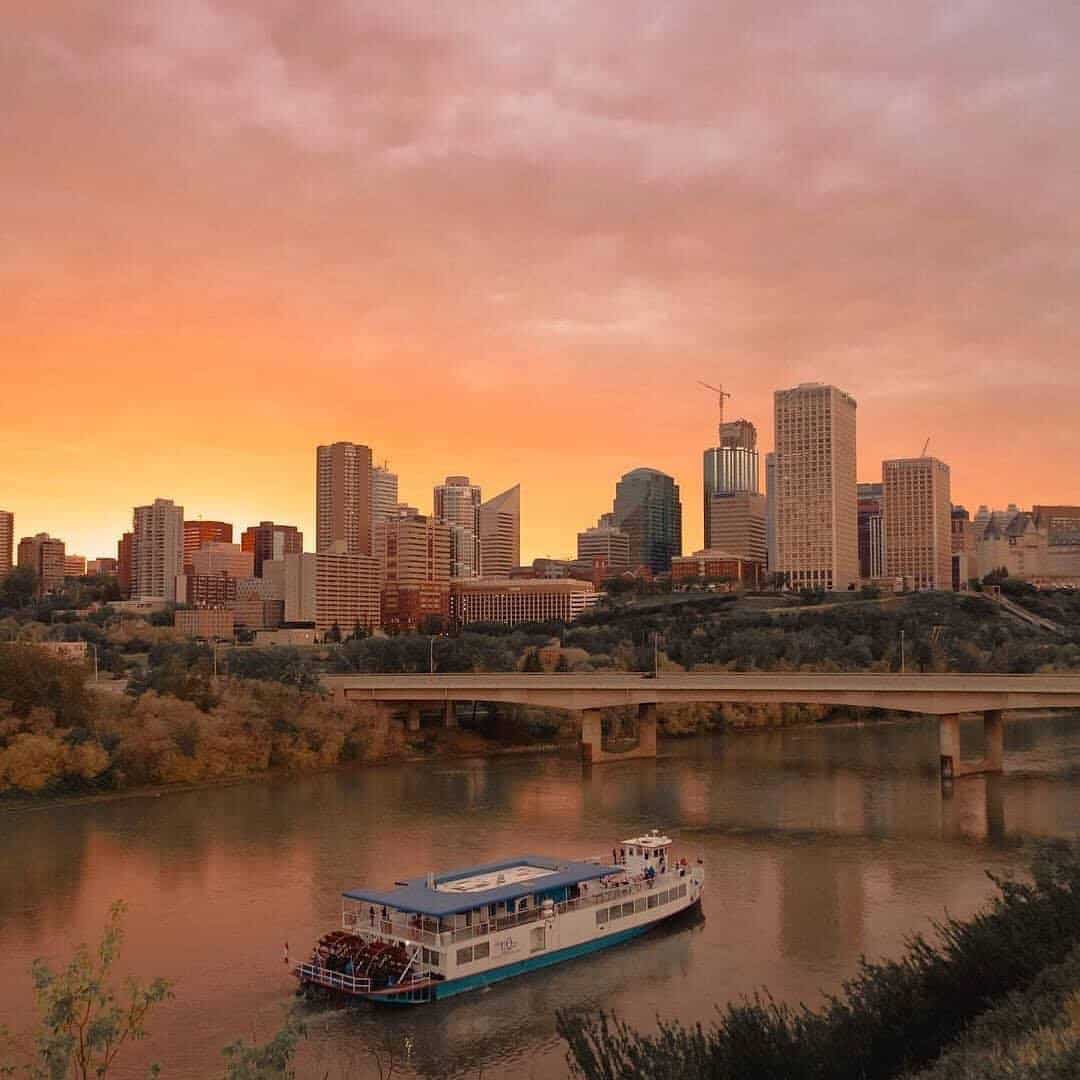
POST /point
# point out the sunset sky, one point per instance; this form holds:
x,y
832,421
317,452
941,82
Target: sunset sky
x,y
505,239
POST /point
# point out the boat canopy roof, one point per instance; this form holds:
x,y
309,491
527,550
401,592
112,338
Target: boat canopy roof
x,y
476,886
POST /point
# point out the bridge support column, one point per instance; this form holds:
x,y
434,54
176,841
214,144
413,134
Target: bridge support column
x,y
592,736
413,722
450,714
383,715
993,740
647,729
949,745
993,746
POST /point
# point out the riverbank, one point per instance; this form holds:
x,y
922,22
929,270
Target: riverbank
x,y
996,995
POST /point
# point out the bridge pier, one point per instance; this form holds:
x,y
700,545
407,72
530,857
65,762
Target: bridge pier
x,y
952,765
592,736
413,722
450,714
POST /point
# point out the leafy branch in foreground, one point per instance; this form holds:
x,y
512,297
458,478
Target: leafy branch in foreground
x,y
85,1020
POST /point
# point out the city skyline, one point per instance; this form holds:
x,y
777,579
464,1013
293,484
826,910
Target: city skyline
x,y
360,224
559,537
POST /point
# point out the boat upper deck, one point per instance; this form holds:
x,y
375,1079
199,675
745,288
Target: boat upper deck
x,y
464,890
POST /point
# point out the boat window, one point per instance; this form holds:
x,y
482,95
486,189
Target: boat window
x,y
464,956
481,951
628,908
523,904
653,900
639,905
601,916
682,890
616,911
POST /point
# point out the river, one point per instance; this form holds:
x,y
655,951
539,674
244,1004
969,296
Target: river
x,y
821,844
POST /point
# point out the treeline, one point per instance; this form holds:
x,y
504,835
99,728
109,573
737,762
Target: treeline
x,y
56,735
1014,964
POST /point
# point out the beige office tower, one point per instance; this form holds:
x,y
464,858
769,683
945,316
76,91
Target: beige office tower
x,y
384,496
7,542
457,503
157,550
817,545
343,498
736,524
500,533
917,516
328,588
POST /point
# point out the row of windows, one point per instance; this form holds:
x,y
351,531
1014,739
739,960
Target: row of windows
x,y
474,952
642,903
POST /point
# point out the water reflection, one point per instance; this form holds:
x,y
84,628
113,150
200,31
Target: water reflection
x,y
821,845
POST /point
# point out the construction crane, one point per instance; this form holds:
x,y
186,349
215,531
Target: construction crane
x,y
925,446
720,393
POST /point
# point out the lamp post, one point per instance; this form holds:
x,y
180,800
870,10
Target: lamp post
x,y
94,647
903,662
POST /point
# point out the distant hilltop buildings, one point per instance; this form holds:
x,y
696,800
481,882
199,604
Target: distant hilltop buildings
x,y
380,563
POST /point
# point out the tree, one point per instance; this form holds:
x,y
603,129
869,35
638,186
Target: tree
x,y
532,663
84,1019
273,1058
334,633
359,633
18,588
562,666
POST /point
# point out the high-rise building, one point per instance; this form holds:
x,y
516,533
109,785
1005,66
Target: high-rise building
x,y
197,533
917,514
157,550
413,552
735,511
270,541
384,496
871,531
500,533
457,502
44,555
328,588
220,558
124,563
607,542
74,566
7,542
817,537
736,524
648,509
733,465
1060,523
770,510
103,567
343,497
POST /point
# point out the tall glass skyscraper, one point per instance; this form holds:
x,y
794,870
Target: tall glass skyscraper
x,y
648,509
734,508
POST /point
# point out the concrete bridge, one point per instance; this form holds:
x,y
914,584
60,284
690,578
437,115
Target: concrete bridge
x,y
943,696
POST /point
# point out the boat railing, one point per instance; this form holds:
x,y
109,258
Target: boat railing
x,y
333,980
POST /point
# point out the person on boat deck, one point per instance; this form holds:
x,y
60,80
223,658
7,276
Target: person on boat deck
x,y
384,911
371,911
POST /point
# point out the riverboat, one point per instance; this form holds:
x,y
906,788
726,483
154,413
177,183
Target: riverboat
x,y
433,937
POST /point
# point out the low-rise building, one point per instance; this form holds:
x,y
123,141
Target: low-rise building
x,y
512,601
104,567
285,635
210,623
711,563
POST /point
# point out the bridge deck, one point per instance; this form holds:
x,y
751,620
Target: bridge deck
x,y
931,694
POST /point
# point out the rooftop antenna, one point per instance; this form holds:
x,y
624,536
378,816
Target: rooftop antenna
x,y
721,393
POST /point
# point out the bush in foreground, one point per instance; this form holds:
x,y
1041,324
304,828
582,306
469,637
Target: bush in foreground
x,y
892,1017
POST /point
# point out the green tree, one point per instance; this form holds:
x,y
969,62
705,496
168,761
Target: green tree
x,y
18,588
85,1020
334,633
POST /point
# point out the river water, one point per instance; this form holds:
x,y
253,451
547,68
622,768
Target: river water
x,y
820,843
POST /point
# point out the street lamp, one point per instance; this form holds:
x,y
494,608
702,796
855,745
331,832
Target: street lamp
x,y
903,662
94,647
